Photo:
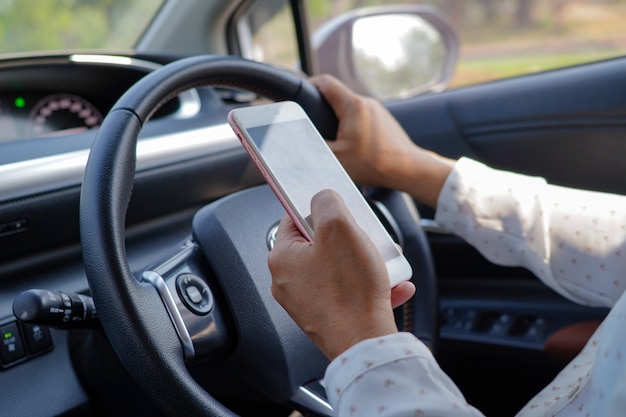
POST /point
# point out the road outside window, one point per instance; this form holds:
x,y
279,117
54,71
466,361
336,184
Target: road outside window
x,y
506,38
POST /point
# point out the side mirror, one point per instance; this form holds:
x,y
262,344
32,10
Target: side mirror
x,y
388,52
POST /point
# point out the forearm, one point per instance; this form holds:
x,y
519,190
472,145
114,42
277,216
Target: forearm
x,y
571,239
421,174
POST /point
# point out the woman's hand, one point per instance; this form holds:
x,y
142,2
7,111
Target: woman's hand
x,y
374,148
335,288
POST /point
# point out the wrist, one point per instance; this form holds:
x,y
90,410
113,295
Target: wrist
x,y
346,339
423,175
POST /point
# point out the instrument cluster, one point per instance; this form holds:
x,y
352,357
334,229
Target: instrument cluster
x,y
26,115
45,96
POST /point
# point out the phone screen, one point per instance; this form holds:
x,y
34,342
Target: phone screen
x,y
302,165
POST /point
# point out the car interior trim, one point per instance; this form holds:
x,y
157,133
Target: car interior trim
x,y
309,399
431,226
170,305
190,103
116,60
65,170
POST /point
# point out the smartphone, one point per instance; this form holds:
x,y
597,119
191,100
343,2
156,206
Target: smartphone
x,y
297,163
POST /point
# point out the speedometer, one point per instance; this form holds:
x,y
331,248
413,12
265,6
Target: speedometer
x,y
63,114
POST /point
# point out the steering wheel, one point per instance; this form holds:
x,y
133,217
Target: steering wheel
x,y
210,303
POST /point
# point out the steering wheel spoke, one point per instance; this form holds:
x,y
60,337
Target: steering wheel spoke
x,y
191,305
312,397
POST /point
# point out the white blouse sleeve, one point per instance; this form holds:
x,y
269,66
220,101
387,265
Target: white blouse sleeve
x,y
392,376
573,240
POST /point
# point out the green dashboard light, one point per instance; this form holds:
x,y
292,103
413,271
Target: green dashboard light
x,y
8,335
20,102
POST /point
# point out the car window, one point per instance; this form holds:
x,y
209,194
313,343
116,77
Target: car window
x,y
267,33
505,38
47,25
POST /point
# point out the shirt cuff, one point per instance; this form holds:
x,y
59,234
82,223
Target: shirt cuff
x,y
454,190
367,355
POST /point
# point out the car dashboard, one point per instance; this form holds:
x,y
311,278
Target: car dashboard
x,y
50,111
50,96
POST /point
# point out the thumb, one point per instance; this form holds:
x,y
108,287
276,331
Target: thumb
x,y
288,232
401,293
337,94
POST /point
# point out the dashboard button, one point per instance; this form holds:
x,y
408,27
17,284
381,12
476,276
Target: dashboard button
x,y
195,293
12,347
37,337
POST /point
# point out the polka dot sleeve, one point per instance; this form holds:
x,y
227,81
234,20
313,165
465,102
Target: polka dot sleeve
x,y
573,240
394,375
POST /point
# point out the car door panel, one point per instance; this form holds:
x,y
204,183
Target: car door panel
x,y
568,126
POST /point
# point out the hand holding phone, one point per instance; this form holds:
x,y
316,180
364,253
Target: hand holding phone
x,y
297,164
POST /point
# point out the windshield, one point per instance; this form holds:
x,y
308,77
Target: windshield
x,y
48,25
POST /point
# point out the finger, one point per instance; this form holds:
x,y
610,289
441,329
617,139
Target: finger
x,y
402,293
288,239
288,231
338,146
338,95
328,206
